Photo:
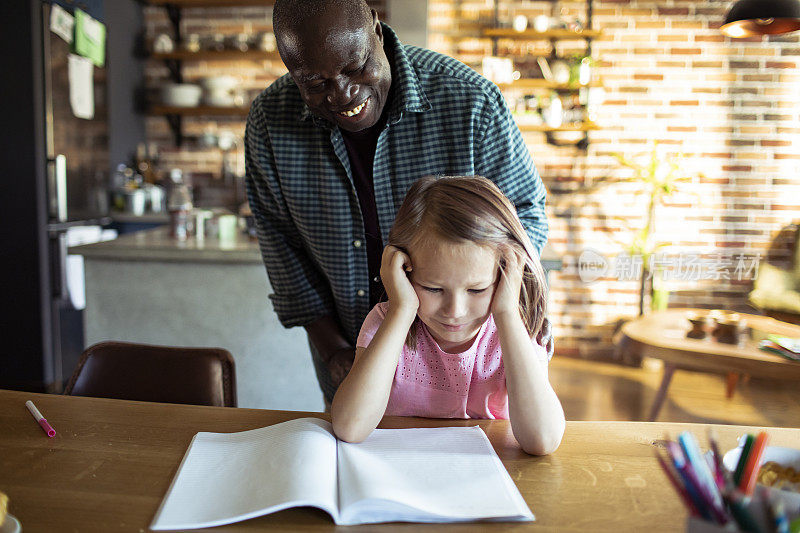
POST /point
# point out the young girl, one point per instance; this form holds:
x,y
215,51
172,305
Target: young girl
x,y
466,298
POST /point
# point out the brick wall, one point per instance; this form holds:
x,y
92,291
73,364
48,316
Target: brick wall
x,y
731,107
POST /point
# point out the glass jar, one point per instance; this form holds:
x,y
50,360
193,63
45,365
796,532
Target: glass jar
x,y
192,43
179,204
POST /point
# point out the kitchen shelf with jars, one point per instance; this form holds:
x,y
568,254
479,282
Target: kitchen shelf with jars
x,y
541,59
211,97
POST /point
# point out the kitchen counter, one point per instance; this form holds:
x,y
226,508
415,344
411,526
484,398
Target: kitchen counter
x,y
148,288
147,218
157,245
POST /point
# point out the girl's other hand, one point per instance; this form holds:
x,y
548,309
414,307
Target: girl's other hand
x,y
395,264
509,283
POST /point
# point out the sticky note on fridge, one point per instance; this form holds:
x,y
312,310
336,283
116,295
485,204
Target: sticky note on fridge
x,y
81,86
90,38
62,23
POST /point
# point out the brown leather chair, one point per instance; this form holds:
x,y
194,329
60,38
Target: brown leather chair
x,y
144,372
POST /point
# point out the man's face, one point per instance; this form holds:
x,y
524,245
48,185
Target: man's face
x,y
340,67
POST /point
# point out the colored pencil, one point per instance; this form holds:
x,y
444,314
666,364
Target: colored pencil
x,y
700,467
690,482
750,473
737,474
719,469
674,478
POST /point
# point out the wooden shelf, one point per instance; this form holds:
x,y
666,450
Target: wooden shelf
x,y
209,3
174,61
538,83
198,111
509,33
586,126
217,55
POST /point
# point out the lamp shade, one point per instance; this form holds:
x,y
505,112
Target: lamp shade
x,y
747,18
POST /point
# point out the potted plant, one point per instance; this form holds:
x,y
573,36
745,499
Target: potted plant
x,y
659,176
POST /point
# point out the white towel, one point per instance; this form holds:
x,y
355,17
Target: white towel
x,y
75,279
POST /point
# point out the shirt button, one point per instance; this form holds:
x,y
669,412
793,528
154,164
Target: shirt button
x,y
361,292
357,243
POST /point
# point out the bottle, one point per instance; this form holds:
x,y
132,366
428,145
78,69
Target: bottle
x,y
117,190
554,113
179,204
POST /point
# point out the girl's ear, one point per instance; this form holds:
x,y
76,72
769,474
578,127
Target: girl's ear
x,y
408,268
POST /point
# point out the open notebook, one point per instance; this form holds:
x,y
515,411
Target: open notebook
x,y
396,475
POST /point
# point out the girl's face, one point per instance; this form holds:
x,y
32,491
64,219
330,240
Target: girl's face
x,y
455,284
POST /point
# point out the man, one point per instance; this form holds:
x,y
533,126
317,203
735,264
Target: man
x,y
332,147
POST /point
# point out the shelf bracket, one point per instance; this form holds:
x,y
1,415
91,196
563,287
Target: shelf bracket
x,y
176,125
174,65
174,14
496,25
582,144
175,70
589,14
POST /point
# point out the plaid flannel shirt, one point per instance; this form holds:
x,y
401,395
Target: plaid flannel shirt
x,y
443,119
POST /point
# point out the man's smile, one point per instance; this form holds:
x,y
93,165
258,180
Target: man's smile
x,y
356,110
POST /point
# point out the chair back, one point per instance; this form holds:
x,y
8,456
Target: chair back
x,y
144,372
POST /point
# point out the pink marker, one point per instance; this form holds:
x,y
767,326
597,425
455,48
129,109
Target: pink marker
x,y
39,418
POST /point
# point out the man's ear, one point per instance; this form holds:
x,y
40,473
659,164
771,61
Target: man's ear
x,y
376,24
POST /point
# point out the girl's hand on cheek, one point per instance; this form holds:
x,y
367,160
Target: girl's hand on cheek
x,y
394,267
509,284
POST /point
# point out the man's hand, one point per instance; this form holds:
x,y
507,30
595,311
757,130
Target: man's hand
x,y
545,337
339,364
333,350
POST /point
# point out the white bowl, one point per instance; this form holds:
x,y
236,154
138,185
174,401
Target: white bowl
x,y
783,456
181,94
219,99
219,83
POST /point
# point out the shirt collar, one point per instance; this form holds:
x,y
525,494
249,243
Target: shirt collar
x,y
406,89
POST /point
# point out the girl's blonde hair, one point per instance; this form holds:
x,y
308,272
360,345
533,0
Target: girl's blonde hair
x,y
471,209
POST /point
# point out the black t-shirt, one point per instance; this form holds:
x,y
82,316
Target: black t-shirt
x,y
361,152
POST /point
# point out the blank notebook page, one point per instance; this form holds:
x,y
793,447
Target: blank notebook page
x,y
444,471
234,476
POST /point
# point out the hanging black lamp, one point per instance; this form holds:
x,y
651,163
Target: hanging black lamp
x,y
747,18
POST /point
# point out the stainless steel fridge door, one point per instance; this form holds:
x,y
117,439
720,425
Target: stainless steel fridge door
x,y
77,149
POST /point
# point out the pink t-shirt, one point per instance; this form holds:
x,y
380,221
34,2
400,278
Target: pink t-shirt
x,y
432,383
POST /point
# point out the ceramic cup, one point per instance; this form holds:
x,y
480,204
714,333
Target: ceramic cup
x,y
227,229
698,321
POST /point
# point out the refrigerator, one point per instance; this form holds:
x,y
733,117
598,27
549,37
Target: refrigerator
x,y
54,183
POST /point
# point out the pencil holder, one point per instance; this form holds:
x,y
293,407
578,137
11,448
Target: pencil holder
x,y
757,509
698,525
757,512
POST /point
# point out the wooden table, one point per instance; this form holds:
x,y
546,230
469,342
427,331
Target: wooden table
x,y
662,335
112,461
